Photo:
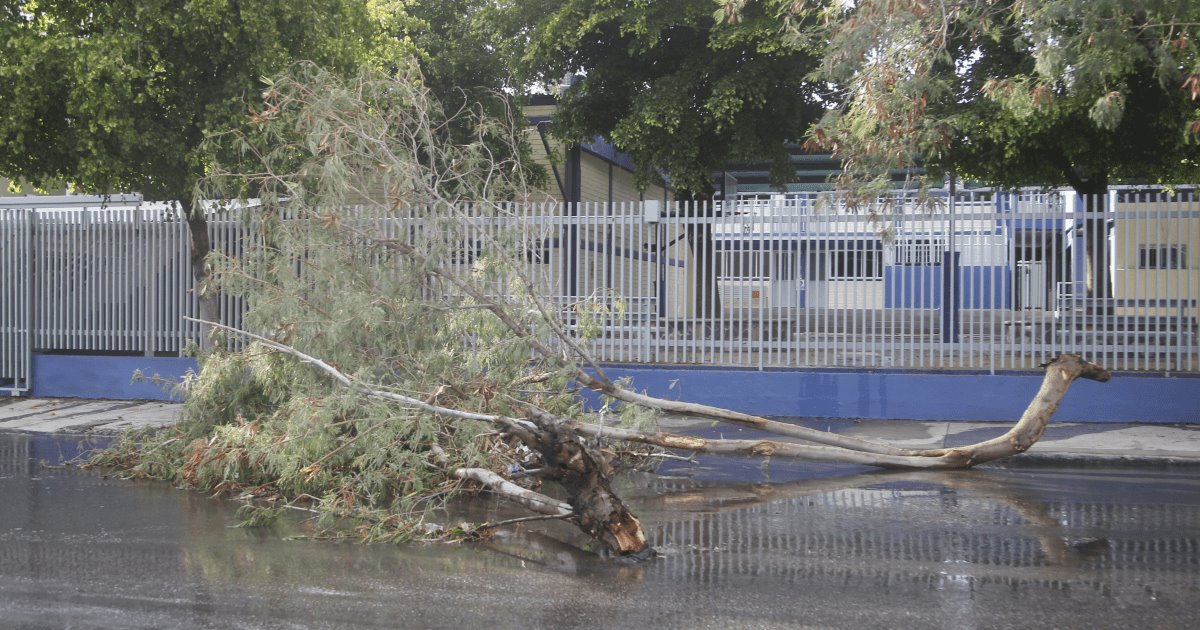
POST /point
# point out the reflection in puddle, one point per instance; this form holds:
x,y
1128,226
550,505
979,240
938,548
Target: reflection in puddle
x,y
1041,530
987,546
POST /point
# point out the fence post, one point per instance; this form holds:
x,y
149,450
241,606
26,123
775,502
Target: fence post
x,y
143,241
950,292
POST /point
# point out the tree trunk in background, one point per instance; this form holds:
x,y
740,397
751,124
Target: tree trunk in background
x,y
1098,277
704,254
206,295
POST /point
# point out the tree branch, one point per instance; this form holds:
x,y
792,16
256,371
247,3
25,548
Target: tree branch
x,y
1060,373
535,501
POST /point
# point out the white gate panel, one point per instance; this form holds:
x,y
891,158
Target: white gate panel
x,y
16,299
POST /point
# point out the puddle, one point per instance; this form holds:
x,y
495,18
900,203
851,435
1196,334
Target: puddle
x,y
741,546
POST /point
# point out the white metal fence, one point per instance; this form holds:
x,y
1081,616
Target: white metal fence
x,y
985,281
15,301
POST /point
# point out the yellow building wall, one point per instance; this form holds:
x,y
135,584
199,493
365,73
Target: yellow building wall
x,y
1132,233
595,175
548,161
595,171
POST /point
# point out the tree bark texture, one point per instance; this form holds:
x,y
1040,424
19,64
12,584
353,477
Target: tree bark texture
x,y
206,297
1098,280
535,501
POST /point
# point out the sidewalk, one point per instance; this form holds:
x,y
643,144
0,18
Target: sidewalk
x,y
1063,443
1066,443
77,415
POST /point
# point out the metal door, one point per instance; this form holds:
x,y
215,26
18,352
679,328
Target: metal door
x,y
1031,284
16,297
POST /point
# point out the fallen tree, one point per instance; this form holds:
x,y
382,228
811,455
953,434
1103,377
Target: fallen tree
x,y
583,473
406,350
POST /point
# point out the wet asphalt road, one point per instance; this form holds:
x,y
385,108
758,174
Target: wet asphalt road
x,y
742,545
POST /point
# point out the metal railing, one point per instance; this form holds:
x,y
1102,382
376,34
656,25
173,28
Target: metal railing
x,y
981,281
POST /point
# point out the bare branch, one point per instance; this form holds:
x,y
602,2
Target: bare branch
x,y
1060,373
537,502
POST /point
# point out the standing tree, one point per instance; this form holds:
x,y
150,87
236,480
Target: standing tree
x,y
660,82
454,43
120,94
1132,122
1009,92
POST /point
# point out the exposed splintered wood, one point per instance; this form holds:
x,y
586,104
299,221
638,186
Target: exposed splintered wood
x,y
584,475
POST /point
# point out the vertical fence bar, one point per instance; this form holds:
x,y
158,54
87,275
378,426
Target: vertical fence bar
x,y
1139,208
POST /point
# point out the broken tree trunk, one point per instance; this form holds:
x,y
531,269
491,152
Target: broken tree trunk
x,y
1060,373
584,474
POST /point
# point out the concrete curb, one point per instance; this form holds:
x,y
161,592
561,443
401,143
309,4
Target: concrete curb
x,y
1097,460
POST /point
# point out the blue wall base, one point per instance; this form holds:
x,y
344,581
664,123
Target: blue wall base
x,y
918,396
897,395
84,376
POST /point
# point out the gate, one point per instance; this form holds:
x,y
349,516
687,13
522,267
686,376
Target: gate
x,y
16,297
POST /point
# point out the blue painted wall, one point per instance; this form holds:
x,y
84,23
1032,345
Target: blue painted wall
x,y
921,287
912,286
985,287
83,376
919,396
810,393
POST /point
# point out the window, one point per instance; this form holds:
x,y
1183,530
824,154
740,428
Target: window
x,y
857,264
758,265
1162,257
785,266
919,252
743,264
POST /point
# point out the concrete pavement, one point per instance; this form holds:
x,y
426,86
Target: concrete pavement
x,y
1068,443
77,415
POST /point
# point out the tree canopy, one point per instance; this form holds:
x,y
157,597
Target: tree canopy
x,y
663,83
1011,92
119,94
1118,109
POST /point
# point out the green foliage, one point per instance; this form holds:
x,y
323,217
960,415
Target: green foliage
x,y
1098,103
1009,92
662,84
119,94
359,260
454,43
